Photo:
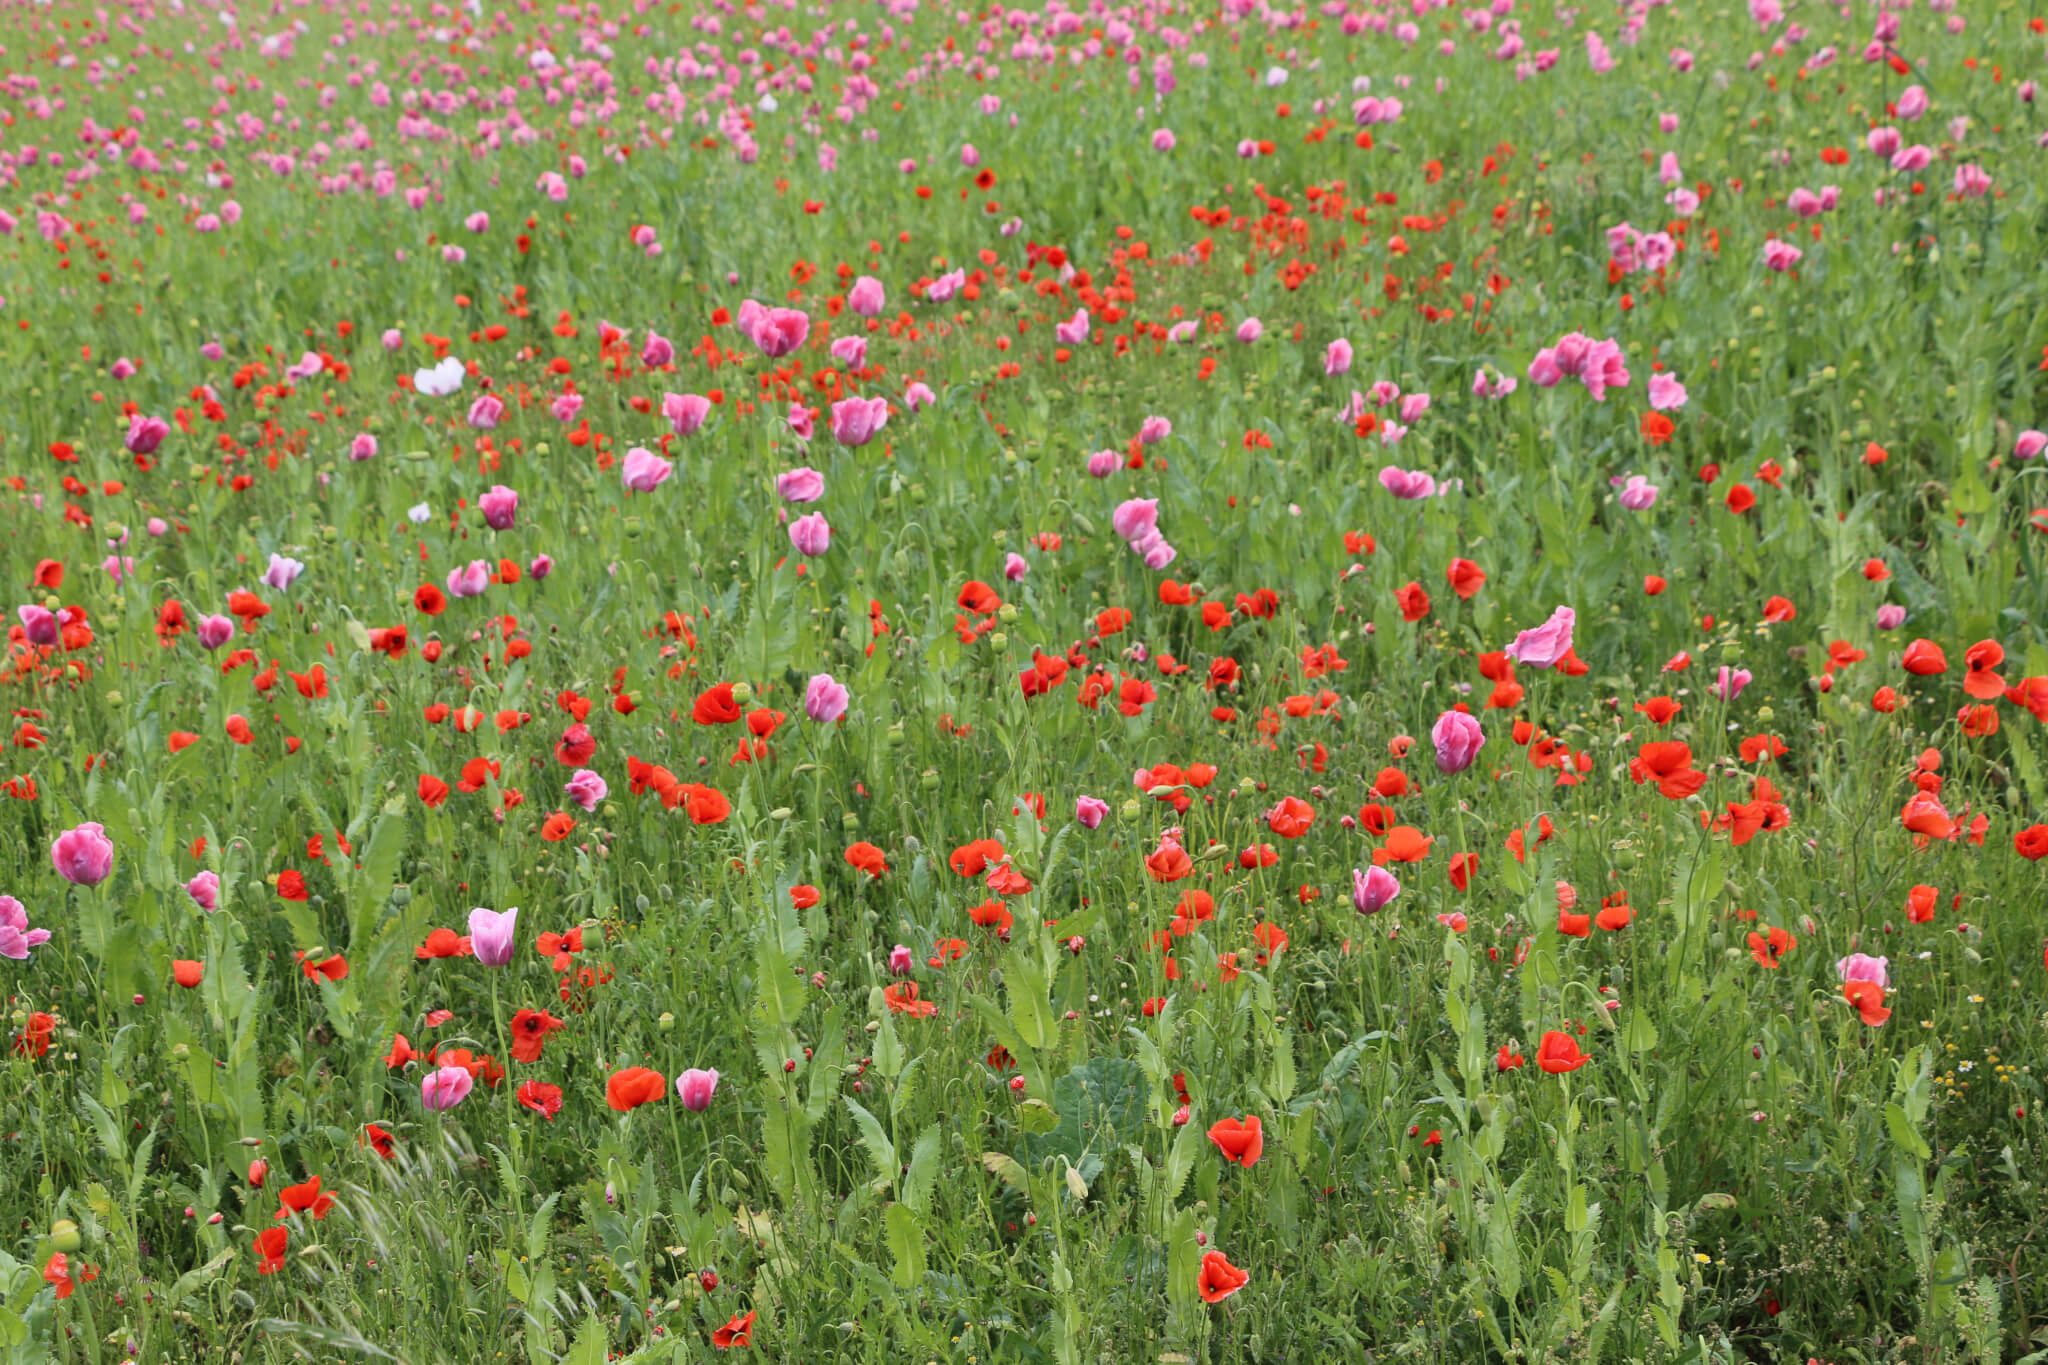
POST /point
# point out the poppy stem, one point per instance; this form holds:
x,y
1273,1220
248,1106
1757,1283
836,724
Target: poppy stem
x,y
511,1105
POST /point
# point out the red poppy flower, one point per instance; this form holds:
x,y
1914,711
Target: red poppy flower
x,y
530,1030
304,1198
1867,997
1769,948
1405,844
1240,1140
270,1244
716,706
1559,1053
901,998
334,968
1291,818
1670,763
865,857
972,859
636,1085
540,1097
738,1332
379,1141
1219,1279
1168,863
1465,578
1923,658
444,943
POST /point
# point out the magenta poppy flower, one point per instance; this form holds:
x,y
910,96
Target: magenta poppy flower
x,y
1544,646
83,856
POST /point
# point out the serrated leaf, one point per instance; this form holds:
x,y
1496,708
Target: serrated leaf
x,y
1183,1264
182,1287
1180,1160
924,1170
778,995
1036,1116
906,1245
1029,1010
592,1344
537,1228
881,1151
1901,1129
1346,1057
1005,1168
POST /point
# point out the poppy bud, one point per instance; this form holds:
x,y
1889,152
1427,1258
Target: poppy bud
x,y
64,1235
708,1278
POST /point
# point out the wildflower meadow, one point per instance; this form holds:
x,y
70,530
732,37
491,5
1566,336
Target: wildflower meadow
x,y
1090,682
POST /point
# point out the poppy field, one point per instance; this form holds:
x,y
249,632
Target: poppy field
x,y
1112,682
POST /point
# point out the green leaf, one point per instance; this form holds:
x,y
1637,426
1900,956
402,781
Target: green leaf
x,y
924,1169
769,638
906,1245
1639,1034
1183,1265
1097,1104
372,888
1340,1065
778,995
889,1055
592,1344
1180,1160
1901,1129
517,1287
1005,1168
1029,1009
182,1287
1036,1116
881,1151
